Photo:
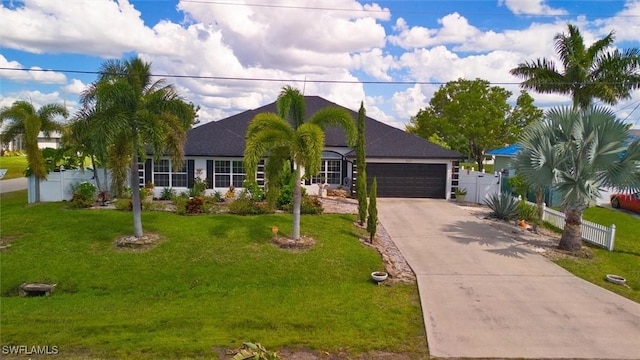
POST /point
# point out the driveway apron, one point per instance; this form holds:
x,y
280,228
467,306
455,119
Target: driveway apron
x,y
484,295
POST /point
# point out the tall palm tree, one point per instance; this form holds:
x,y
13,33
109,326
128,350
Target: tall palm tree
x,y
587,73
25,120
286,136
577,152
132,112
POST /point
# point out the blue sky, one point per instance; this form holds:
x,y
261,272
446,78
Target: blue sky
x,y
339,46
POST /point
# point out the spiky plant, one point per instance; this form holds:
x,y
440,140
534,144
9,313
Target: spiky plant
x,y
504,206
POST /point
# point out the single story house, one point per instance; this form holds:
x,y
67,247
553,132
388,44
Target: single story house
x,y
17,143
405,165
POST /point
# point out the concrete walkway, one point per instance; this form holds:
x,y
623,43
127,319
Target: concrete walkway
x,y
10,185
485,296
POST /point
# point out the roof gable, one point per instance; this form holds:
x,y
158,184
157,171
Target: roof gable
x,y
226,137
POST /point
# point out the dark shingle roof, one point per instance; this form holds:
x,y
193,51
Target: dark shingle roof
x,y
226,137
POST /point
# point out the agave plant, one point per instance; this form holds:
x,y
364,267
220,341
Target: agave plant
x,y
504,205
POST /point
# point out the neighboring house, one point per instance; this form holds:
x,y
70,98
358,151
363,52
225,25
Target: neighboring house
x,y
43,142
502,158
404,164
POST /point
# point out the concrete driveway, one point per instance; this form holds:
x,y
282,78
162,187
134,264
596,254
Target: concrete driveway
x,y
485,296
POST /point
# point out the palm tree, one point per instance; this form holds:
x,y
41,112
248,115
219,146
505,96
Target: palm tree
x,y
596,72
133,112
286,136
577,152
27,121
79,136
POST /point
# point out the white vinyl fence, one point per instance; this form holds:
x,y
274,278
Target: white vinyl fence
x,y
59,184
479,185
592,233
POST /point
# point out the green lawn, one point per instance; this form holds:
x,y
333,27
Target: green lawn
x,y
623,261
15,165
213,282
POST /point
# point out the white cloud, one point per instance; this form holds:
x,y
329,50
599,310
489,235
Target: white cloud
x,y
76,87
625,23
455,29
375,63
102,28
531,7
38,99
35,73
407,103
293,39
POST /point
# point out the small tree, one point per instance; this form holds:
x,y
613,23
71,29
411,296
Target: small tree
x,y
361,180
23,118
372,221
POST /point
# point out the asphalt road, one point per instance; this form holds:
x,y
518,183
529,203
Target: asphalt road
x,y
10,185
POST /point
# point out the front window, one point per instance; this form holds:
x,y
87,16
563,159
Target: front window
x,y
163,174
331,173
229,172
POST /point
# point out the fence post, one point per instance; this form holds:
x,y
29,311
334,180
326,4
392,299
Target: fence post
x,y
612,236
544,212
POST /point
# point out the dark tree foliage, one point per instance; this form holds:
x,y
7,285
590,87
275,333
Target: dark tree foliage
x,y
372,221
361,180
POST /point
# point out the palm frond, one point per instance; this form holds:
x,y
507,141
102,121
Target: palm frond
x,y
291,106
309,145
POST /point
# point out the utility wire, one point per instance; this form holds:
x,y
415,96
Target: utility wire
x,y
203,77
383,10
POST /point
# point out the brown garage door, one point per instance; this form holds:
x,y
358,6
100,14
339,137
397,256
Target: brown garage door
x,y
409,180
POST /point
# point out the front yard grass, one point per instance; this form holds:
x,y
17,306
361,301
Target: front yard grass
x,y
623,261
212,283
15,165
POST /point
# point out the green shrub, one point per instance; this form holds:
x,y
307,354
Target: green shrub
x,y
518,186
123,204
199,187
84,195
167,194
181,204
285,197
311,205
254,191
217,196
527,212
504,206
248,207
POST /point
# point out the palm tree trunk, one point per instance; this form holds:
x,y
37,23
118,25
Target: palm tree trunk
x,y
135,195
297,200
572,235
95,174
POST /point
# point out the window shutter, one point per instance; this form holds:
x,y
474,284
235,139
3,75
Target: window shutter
x,y
190,173
148,177
209,174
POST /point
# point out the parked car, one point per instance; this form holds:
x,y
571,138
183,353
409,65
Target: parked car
x,y
626,201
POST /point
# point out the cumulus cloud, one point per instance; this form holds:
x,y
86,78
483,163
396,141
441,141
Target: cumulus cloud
x,y
102,28
76,87
35,73
531,7
375,63
235,48
625,23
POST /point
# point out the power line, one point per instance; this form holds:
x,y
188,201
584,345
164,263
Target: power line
x,y
232,78
300,7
